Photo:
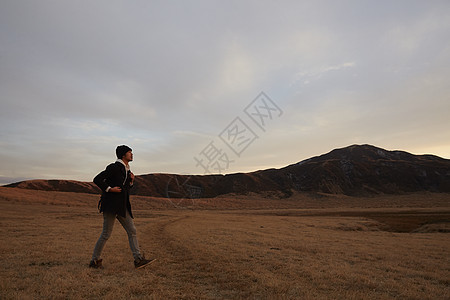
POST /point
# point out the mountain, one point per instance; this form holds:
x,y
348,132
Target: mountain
x,y
365,169
355,170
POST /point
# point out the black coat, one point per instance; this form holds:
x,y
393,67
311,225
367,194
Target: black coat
x,y
116,203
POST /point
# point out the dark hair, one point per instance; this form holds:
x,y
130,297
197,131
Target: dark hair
x,y
122,150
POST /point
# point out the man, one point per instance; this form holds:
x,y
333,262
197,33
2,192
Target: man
x,y
115,182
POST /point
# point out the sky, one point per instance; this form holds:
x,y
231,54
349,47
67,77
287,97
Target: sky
x,y
199,87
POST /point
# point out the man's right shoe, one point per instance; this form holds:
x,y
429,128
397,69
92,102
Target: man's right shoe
x,y
96,264
140,263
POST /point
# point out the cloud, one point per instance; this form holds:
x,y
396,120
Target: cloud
x,y
307,76
168,77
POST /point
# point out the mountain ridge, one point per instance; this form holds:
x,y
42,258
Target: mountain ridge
x,y
353,170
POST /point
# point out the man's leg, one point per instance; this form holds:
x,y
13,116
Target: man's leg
x,y
129,227
108,224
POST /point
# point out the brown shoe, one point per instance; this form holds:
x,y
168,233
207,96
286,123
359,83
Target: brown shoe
x,y
140,263
96,264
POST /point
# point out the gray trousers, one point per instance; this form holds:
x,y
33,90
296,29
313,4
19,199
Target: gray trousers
x,y
108,224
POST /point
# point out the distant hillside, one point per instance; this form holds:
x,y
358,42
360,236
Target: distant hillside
x,y
354,170
365,169
57,185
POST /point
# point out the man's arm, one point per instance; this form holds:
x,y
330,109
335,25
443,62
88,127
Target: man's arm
x,y
100,180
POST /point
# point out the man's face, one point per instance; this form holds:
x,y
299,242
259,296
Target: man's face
x,y
128,156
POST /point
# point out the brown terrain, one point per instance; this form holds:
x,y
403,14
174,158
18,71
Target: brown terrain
x,y
354,238
358,170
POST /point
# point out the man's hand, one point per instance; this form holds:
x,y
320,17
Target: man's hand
x,y
116,189
132,177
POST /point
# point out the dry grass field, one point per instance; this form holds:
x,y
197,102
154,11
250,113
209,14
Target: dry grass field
x,y
305,247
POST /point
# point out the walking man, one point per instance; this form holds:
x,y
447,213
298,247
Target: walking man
x,y
115,182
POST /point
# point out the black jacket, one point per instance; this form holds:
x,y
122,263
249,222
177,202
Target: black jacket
x,y
115,175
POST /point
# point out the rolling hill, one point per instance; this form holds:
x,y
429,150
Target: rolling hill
x,y
354,170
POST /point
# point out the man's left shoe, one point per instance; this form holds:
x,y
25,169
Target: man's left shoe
x,y
142,262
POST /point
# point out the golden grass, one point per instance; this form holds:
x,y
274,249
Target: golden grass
x,y
343,252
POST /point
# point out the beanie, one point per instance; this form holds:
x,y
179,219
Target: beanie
x,y
122,150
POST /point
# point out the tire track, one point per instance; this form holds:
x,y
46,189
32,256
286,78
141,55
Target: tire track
x,y
179,264
166,247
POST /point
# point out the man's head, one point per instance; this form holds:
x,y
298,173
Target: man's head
x,y
124,152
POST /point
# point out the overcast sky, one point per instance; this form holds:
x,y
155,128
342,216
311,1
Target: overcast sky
x,y
180,82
